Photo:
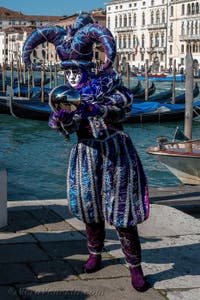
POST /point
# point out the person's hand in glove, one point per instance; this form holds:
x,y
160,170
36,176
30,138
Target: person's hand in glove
x,y
62,116
88,109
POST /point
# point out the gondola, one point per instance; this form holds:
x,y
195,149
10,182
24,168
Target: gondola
x,y
141,93
136,88
147,112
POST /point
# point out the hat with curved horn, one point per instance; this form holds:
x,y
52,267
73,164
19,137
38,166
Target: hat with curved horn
x,y
74,46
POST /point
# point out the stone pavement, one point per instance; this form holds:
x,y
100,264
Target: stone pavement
x,y
43,248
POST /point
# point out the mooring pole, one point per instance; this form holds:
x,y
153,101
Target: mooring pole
x,y
189,96
146,80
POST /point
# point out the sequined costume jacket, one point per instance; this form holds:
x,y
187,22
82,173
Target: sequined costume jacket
x,y
115,100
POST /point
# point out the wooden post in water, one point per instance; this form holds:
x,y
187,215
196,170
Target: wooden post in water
x,y
29,77
56,77
32,78
50,83
146,80
12,75
24,71
18,79
174,82
4,77
42,85
128,75
189,96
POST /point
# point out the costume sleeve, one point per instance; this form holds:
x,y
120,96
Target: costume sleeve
x,y
117,105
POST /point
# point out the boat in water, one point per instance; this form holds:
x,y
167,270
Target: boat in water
x,y
181,158
161,77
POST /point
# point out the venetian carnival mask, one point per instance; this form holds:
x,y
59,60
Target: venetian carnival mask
x,y
74,77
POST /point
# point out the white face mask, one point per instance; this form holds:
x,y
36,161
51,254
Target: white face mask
x,y
74,77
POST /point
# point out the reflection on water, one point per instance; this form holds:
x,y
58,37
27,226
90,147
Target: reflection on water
x,y
36,157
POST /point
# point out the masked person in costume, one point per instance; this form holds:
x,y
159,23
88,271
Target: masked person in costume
x,y
105,179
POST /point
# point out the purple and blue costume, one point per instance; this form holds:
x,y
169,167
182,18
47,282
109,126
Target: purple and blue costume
x,y
105,179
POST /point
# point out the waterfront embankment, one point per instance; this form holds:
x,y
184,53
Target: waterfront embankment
x,y
43,249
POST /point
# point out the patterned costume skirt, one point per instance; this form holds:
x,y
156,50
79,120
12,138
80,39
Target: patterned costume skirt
x,y
106,181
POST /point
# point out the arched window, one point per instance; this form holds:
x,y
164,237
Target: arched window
x,y
193,9
120,42
125,21
129,41
197,8
183,9
134,20
196,27
124,42
157,40
152,17
151,40
134,41
171,29
172,11
143,41
182,29
157,17
162,40
129,18
120,21
188,9
143,18
116,22
163,16
108,22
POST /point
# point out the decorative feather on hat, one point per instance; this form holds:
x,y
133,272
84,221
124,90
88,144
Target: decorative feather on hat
x,y
74,45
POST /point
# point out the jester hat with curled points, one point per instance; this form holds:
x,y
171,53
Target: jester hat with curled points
x,y
74,45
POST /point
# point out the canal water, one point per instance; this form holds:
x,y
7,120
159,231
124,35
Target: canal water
x,y
36,157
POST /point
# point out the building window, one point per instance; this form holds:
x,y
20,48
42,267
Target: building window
x,y
129,18
125,21
124,41
143,18
182,49
116,22
188,9
183,9
163,16
152,2
170,49
129,41
108,22
152,17
143,41
157,17
142,56
134,20
172,11
120,21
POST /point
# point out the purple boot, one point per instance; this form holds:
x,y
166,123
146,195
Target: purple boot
x,y
131,248
137,279
95,242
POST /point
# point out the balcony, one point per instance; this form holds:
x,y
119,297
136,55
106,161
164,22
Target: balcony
x,y
124,29
156,50
157,26
189,37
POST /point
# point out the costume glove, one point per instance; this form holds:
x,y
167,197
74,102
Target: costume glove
x,y
62,116
87,109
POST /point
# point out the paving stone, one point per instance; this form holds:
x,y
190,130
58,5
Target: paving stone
x,y
21,253
65,249
24,221
54,271
13,238
193,294
16,273
97,289
52,221
58,236
8,293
